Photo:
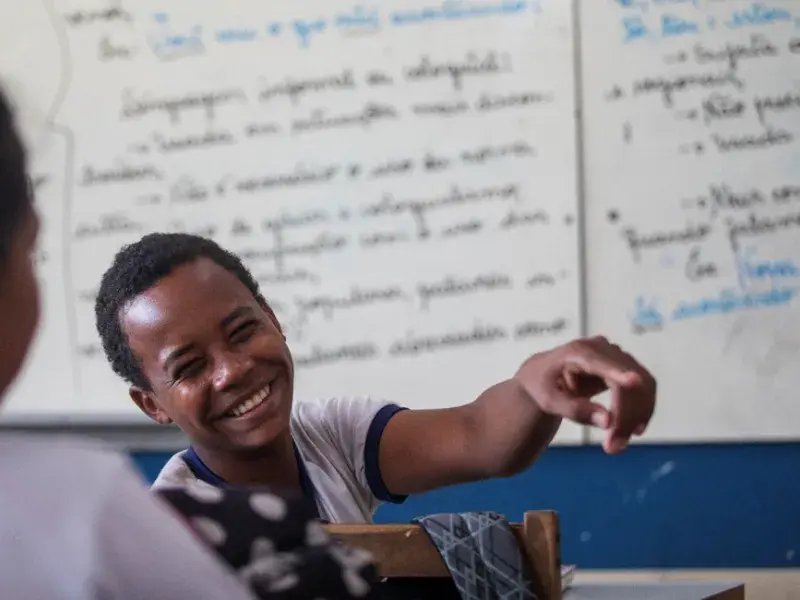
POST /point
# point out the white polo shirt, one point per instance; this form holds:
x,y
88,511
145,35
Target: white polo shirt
x,y
336,443
77,523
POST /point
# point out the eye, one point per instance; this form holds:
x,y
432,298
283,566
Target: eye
x,y
244,332
189,369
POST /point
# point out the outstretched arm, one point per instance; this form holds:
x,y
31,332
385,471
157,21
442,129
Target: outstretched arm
x,y
508,426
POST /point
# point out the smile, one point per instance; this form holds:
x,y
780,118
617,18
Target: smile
x,y
250,404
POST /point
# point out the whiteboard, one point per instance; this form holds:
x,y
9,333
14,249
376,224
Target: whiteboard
x,y
400,177
692,171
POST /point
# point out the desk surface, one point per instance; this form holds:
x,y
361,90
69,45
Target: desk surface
x,y
655,591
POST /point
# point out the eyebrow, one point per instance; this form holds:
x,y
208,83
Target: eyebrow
x,y
183,350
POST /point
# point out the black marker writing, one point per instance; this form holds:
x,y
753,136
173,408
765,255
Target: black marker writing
x,y
755,225
286,220
538,329
698,269
100,15
403,166
543,280
287,277
667,88
356,297
765,105
786,193
194,142
135,107
107,50
464,228
721,107
322,244
472,65
760,141
732,53
456,196
638,242
319,356
261,129
484,154
451,286
384,238
108,225
300,176
187,191
296,89
241,228
415,344
121,173
514,219
440,109
490,102
369,115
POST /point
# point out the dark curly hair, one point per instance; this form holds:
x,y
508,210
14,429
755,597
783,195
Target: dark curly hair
x,y
15,194
138,267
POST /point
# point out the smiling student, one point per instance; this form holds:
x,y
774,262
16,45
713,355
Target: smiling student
x,y
183,321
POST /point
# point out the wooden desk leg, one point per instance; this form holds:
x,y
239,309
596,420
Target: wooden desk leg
x,y
542,540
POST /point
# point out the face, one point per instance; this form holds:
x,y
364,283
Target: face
x,y
216,360
19,301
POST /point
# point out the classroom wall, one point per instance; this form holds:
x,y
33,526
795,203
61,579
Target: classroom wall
x,y
654,507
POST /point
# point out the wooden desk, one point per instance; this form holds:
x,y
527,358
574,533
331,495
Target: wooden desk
x,y
406,550
665,590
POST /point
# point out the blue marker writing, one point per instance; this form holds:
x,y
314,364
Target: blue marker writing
x,y
672,26
758,14
358,18
455,10
634,29
751,269
646,316
729,301
166,44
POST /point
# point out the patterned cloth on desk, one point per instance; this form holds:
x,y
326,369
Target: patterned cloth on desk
x,y
482,554
274,544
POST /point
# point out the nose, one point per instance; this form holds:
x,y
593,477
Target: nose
x,y
231,369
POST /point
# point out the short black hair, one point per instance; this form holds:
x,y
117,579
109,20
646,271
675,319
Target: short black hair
x,y
138,267
16,201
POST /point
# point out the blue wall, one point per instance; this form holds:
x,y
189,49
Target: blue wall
x,y
714,506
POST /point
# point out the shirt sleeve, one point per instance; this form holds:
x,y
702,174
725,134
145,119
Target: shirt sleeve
x,y
354,426
144,551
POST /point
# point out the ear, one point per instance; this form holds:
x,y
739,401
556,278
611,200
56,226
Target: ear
x,y
147,404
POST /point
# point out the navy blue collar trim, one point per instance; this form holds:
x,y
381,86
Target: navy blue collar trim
x,y
204,473
201,470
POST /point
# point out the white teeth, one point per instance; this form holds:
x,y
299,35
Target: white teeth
x,y
250,403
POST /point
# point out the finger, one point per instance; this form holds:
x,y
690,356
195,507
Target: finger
x,y
617,368
581,384
610,364
614,445
629,409
579,410
632,387
637,403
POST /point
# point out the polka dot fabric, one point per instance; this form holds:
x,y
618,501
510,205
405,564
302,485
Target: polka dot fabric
x,y
275,544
